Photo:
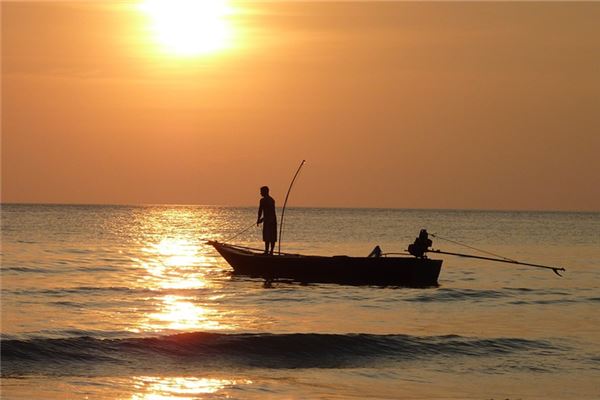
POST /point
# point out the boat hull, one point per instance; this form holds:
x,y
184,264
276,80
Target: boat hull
x,y
380,271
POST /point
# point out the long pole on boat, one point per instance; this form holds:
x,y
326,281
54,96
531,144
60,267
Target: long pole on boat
x,y
285,203
555,269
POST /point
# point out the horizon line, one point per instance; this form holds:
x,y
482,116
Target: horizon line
x,y
2,203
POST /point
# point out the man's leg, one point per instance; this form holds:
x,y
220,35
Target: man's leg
x,y
266,247
272,247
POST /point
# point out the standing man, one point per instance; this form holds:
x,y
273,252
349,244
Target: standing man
x,y
266,215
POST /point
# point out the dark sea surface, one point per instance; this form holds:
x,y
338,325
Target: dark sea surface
x,y
126,302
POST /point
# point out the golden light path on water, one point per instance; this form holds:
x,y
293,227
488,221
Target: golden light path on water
x,y
176,269
180,388
183,283
175,263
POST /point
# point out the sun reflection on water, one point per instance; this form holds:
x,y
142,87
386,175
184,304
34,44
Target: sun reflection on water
x,y
180,388
180,313
186,282
174,263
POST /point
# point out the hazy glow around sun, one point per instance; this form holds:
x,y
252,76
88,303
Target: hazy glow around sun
x,y
190,27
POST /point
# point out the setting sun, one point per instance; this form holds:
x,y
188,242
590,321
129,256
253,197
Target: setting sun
x,y
190,27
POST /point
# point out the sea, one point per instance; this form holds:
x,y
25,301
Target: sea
x,y
129,302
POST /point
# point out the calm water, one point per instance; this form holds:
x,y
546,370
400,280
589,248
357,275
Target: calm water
x,y
117,302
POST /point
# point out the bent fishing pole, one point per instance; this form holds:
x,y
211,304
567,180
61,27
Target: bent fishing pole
x,y
285,203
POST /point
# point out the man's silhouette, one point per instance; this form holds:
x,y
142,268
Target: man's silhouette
x,y
266,215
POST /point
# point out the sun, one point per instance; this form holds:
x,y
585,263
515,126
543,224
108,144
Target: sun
x,y
190,27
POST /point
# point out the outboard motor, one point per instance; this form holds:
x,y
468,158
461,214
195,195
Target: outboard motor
x,y
421,244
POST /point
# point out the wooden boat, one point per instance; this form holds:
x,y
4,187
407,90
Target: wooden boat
x,y
381,271
376,269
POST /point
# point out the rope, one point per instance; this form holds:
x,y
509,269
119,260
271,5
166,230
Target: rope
x,y
238,234
472,248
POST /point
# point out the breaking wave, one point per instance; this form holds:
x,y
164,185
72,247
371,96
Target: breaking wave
x,y
264,350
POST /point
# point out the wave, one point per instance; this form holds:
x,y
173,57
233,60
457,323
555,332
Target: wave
x,y
544,301
60,292
263,350
594,299
36,270
511,296
445,295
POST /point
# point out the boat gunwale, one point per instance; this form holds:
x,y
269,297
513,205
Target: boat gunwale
x,y
250,251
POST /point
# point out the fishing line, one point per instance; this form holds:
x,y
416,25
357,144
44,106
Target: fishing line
x,y
239,233
471,247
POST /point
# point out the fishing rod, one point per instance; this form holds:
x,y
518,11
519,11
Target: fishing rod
x,y
238,234
555,269
285,203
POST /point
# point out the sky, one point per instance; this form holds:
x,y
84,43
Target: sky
x,y
392,104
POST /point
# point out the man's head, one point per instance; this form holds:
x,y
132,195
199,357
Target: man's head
x,y
264,191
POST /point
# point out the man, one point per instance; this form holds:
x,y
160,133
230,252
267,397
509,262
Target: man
x,y
266,215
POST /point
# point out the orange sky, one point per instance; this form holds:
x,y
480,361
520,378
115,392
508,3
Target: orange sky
x,y
396,104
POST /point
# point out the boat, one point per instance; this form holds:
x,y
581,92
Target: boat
x,y
412,269
378,269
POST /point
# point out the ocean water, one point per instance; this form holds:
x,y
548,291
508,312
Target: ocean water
x,y
124,302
